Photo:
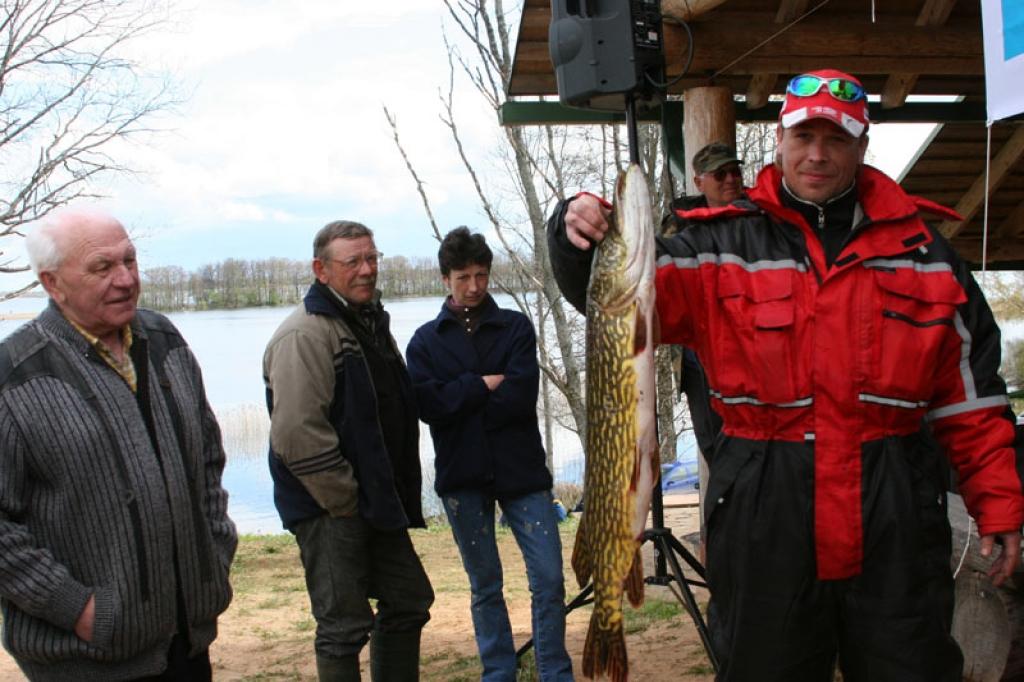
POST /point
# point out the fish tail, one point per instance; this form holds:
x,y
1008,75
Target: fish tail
x,y
605,652
582,562
634,582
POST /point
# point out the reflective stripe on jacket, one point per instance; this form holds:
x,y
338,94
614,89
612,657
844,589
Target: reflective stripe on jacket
x,y
896,331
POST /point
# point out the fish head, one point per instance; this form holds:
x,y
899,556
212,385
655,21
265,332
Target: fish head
x,y
623,269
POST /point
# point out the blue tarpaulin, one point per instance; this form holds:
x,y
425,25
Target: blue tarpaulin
x,y
679,475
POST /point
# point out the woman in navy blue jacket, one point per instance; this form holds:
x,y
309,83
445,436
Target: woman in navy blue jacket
x,y
475,374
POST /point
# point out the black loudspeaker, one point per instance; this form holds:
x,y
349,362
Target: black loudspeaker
x,y
604,50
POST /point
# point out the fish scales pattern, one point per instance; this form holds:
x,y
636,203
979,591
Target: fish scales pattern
x,y
607,543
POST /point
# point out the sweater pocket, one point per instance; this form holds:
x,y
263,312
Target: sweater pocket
x,y
36,640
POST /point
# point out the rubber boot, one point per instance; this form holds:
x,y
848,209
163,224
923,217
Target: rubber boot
x,y
395,656
343,669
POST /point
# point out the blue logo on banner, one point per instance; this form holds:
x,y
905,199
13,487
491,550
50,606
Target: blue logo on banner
x,y
1013,29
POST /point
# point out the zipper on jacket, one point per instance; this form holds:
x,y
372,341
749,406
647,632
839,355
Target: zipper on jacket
x,y
892,315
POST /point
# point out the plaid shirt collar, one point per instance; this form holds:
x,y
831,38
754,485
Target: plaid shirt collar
x,y
124,367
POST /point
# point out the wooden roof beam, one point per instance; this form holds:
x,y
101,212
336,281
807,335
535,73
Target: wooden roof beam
x,y
760,89
899,85
999,251
1013,225
999,169
762,84
952,50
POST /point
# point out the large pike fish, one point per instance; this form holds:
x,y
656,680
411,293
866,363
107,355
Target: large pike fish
x,y
622,447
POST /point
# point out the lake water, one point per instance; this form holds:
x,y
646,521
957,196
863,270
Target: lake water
x,y
229,346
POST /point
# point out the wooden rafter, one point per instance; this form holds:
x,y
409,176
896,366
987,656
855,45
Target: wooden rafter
x,y
899,85
1013,225
762,84
760,89
999,169
834,41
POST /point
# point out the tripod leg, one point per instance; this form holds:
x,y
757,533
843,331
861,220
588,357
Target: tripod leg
x,y
688,600
688,557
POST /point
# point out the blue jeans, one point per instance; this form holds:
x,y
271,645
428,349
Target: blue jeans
x,y
535,526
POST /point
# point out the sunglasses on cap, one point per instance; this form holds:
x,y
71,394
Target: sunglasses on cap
x,y
720,174
842,89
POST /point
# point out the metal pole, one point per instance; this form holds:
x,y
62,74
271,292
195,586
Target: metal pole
x,y
634,144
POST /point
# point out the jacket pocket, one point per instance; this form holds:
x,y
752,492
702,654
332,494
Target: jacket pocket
x,y
916,324
755,338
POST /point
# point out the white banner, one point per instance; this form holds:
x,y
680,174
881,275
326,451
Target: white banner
x,y
1003,22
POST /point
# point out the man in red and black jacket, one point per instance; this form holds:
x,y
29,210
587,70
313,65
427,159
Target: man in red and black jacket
x,y
831,321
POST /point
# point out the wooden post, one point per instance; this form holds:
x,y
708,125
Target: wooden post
x,y
709,115
988,621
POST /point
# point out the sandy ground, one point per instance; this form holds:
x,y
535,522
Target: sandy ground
x,y
268,631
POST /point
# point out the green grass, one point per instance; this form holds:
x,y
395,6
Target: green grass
x,y
653,611
457,667
526,670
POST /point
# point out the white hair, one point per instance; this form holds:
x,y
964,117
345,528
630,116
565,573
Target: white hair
x,y
45,244
44,253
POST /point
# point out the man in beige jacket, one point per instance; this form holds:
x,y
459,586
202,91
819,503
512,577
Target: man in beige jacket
x,y
344,456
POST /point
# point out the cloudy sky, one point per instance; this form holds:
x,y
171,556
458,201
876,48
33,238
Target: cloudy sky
x,y
282,130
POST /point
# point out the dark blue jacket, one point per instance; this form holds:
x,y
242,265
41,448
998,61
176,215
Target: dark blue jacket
x,y
388,472
483,439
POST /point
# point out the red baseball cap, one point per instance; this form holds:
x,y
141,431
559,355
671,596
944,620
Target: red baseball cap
x,y
829,94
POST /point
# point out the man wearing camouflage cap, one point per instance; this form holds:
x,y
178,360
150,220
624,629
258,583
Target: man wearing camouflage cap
x,y
717,174
832,321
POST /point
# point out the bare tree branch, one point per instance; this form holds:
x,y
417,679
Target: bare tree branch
x,y
67,93
412,171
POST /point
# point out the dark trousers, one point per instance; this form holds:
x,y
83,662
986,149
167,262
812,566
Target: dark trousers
x,y
772,620
181,668
347,563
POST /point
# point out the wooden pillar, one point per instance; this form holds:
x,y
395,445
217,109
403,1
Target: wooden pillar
x,y
709,115
988,621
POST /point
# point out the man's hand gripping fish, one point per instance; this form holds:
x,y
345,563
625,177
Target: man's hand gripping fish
x,y
622,447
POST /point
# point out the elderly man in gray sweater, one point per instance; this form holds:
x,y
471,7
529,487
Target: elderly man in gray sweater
x,y
114,538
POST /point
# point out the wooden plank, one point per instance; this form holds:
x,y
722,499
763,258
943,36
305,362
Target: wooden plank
x,y
1008,156
899,85
896,89
810,43
790,10
1007,249
688,10
935,12
762,84
760,88
926,166
535,22
941,149
1013,224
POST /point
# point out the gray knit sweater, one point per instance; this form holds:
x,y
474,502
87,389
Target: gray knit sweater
x,y
100,491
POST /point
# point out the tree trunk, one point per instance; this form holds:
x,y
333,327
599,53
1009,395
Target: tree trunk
x,y
987,620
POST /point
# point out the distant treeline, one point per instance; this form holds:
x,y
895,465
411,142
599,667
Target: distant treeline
x,y
235,283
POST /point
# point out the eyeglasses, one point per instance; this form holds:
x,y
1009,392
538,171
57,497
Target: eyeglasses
x,y
372,259
720,174
841,89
